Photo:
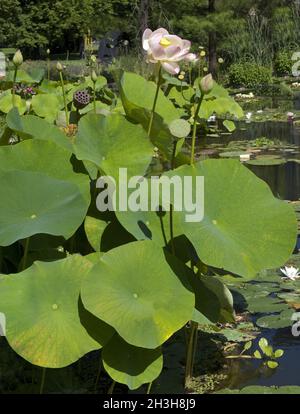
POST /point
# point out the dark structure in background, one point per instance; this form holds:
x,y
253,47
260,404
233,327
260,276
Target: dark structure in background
x,y
114,43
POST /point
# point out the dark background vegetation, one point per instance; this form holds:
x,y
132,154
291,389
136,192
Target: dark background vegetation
x,y
257,31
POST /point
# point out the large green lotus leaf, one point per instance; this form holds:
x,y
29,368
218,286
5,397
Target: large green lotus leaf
x,y
94,229
43,323
31,126
222,107
244,230
22,77
34,202
130,365
137,96
112,142
134,290
47,106
44,157
6,103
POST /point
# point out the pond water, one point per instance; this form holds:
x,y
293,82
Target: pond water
x,y
284,180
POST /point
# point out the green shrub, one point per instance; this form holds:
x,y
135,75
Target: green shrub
x,y
250,76
283,63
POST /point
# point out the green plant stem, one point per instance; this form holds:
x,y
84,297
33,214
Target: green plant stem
x,y
191,349
98,374
26,249
149,387
195,129
171,206
111,388
14,87
43,381
155,101
48,65
65,98
94,97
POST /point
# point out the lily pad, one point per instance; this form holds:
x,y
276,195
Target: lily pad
x,y
281,320
130,365
48,331
145,304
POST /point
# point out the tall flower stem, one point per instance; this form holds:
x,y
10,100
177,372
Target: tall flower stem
x,y
43,381
195,128
111,388
193,334
64,97
155,100
191,350
171,206
48,68
14,86
26,250
94,97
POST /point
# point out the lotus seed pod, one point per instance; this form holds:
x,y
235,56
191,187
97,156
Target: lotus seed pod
x,y
94,76
81,99
221,60
59,67
203,53
18,58
181,77
206,84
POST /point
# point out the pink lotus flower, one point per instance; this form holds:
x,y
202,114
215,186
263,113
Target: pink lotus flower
x,y
166,49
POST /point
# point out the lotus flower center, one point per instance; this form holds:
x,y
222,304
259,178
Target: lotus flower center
x,y
164,42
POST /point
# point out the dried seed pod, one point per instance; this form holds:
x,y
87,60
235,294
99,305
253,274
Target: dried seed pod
x,y
81,99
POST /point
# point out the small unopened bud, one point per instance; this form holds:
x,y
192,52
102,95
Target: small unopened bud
x,y
18,58
206,84
48,52
93,59
59,67
94,76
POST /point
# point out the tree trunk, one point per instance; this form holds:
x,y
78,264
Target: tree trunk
x,y
143,16
212,42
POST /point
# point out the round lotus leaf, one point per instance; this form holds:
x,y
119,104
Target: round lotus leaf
x,y
130,365
94,229
134,290
111,142
245,229
6,103
31,126
180,128
44,157
43,323
47,106
32,203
